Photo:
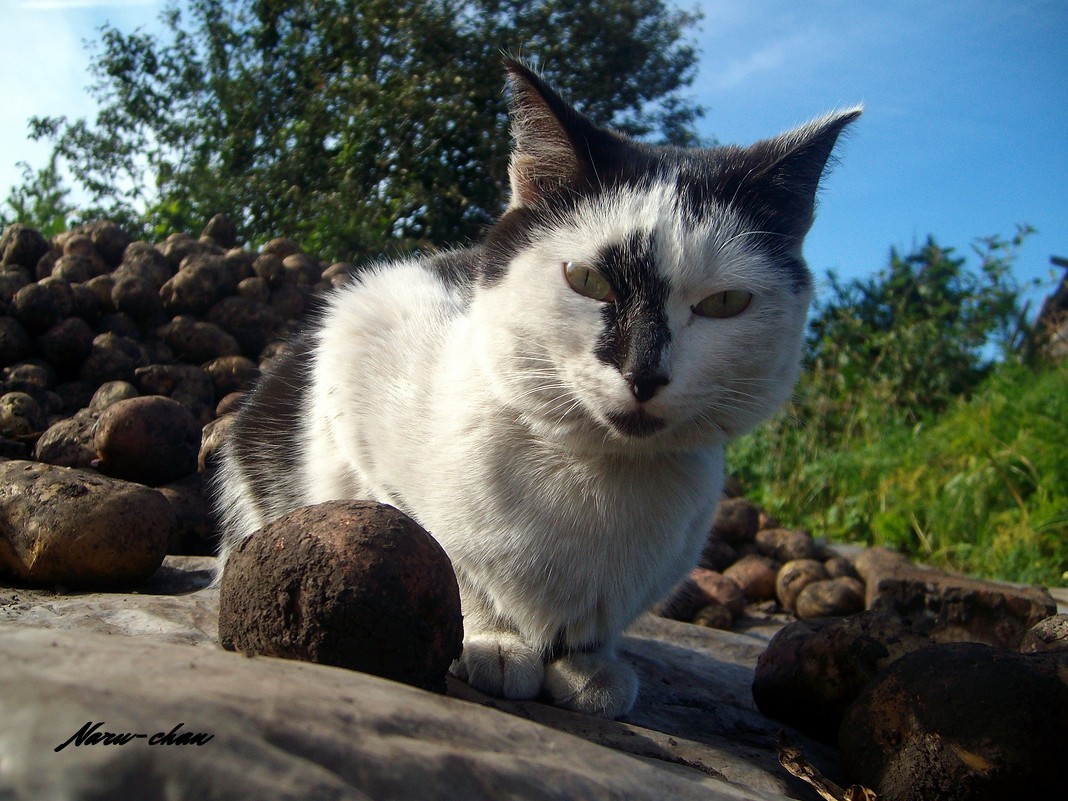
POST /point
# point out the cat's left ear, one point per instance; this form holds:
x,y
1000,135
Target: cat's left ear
x,y
780,176
554,144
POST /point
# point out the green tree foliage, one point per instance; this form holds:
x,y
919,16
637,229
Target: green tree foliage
x,y
41,201
354,126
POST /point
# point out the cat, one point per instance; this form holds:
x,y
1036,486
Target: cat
x,y
552,404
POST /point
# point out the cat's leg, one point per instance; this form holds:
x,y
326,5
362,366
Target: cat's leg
x,y
496,660
593,682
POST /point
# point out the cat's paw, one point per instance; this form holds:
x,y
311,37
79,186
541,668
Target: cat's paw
x,y
592,683
502,665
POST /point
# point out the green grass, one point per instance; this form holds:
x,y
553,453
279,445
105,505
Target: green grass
x,y
982,488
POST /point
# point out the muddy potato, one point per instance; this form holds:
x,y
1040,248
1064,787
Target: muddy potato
x,y
79,529
736,521
835,597
755,575
347,583
794,576
961,722
152,440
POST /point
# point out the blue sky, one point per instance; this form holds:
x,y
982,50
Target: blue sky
x,y
965,131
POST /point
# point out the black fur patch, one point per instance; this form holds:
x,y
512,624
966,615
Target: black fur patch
x,y
635,325
266,433
457,268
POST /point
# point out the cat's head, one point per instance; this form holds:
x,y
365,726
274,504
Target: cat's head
x,y
647,297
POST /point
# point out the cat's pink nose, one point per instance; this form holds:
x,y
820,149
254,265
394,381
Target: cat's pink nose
x,y
644,385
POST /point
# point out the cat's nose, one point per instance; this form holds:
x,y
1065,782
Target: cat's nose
x,y
644,385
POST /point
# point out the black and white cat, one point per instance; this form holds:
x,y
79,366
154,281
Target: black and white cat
x,y
552,404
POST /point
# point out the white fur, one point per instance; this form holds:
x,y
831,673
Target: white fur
x,y
483,416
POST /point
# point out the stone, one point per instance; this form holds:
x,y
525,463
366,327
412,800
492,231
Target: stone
x,y
834,597
250,323
786,545
961,722
813,670
78,529
22,245
348,583
15,342
755,575
195,342
213,437
736,521
112,392
717,554
714,616
794,576
221,230
67,344
185,383
951,608
69,442
195,531
232,374
36,307
1046,635
152,440
715,587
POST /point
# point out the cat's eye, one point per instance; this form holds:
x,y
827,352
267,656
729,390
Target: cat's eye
x,y
721,305
587,281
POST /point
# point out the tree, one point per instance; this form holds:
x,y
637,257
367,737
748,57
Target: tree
x,y
354,126
40,202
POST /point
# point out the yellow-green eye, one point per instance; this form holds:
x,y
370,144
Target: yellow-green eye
x,y
587,281
730,303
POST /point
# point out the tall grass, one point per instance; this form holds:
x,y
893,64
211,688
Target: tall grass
x,y
982,487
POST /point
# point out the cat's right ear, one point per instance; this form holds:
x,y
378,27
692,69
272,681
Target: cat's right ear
x,y
553,142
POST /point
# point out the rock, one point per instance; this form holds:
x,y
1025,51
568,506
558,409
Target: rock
x,y
269,268
836,597
67,344
110,393
70,442
714,616
347,583
143,260
949,607
20,415
717,554
109,240
221,230
281,247
195,342
213,438
36,307
715,587
249,322
794,576
184,383
232,374
961,722
22,245
78,529
15,342
138,297
195,531
839,566
300,268
736,521
756,577
201,282
787,545
255,288
153,440
813,670
1046,635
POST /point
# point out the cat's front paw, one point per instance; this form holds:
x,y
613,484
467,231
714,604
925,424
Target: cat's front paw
x,y
592,683
502,665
